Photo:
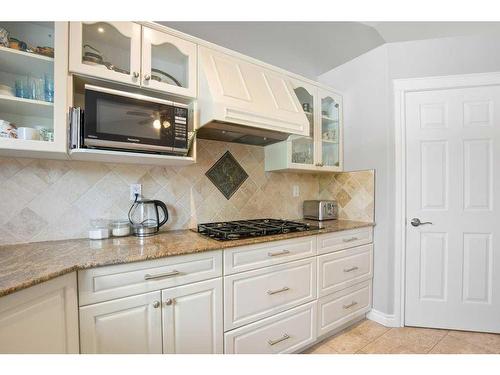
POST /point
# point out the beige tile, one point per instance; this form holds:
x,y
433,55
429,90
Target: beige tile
x,y
320,348
488,341
369,329
348,342
415,340
453,345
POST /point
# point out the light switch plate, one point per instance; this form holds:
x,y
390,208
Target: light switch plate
x,y
295,190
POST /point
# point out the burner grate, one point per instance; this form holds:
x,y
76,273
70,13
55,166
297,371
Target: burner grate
x,y
232,230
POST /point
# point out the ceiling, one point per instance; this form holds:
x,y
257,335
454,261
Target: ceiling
x,y
313,48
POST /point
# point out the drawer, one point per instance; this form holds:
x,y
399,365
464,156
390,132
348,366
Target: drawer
x,y
286,332
336,241
105,283
341,269
339,308
253,295
251,257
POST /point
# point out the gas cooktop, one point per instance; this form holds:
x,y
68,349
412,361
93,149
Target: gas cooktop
x,y
233,230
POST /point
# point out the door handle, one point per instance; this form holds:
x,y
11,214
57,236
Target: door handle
x,y
416,222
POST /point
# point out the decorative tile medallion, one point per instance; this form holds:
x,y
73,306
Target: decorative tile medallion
x,y
227,175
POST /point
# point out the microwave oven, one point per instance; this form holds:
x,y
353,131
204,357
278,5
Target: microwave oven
x,y
121,120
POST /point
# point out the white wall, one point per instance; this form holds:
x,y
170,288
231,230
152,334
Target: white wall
x,y
369,122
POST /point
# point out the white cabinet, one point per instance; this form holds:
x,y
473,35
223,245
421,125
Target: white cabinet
x,y
137,55
321,149
192,318
235,90
108,50
168,63
125,325
33,94
41,319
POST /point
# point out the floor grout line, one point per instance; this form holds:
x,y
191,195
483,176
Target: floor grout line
x,y
441,339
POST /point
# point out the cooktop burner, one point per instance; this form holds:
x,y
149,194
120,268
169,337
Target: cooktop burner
x,y
233,230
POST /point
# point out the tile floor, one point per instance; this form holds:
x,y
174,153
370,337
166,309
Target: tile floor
x,y
368,337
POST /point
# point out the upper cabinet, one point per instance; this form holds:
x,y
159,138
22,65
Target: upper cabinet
x,y
33,73
108,50
321,149
127,52
168,63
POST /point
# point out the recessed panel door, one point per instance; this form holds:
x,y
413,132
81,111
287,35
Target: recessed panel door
x,y
453,252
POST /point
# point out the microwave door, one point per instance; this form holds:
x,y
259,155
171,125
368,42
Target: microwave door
x,y
124,122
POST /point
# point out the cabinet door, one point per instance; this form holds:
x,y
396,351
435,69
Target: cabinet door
x,y
125,325
192,318
302,150
41,319
108,50
330,137
168,63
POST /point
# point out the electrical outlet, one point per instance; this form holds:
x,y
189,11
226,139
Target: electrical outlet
x,y
295,190
135,189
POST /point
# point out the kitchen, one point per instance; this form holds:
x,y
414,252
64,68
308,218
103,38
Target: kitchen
x,y
198,200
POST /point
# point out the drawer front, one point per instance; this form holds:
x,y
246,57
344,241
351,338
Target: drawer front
x,y
253,295
105,283
286,332
341,269
339,308
330,242
251,257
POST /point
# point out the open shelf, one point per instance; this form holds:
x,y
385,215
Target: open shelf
x,y
26,107
109,156
20,62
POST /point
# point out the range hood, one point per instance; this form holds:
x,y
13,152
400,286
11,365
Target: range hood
x,y
246,103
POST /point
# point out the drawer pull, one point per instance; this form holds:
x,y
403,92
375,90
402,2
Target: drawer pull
x,y
284,289
350,239
353,303
161,275
277,341
284,252
351,269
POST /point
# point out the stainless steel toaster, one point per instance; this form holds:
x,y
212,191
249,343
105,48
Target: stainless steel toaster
x,y
320,210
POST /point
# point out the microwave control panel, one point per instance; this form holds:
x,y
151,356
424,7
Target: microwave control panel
x,y
180,127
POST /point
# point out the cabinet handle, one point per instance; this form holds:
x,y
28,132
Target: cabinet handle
x,y
350,239
284,289
161,275
284,252
351,269
353,303
147,77
136,74
156,304
277,341
169,301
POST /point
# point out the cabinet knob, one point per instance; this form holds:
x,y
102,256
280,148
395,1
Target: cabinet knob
x,y
169,301
147,77
156,304
136,74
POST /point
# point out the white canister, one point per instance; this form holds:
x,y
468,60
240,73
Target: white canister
x,y
120,228
28,134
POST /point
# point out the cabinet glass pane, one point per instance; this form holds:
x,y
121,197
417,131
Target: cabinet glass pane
x,y
27,80
303,147
104,46
169,65
330,131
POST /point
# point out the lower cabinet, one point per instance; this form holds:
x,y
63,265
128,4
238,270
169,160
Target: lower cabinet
x,y
286,332
42,319
185,319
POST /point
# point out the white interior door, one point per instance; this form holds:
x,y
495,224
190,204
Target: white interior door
x,y
453,156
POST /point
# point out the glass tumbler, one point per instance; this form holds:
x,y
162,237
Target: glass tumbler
x,y
49,88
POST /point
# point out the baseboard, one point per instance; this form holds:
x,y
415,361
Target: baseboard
x,y
387,320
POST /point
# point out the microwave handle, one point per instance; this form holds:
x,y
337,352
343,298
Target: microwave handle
x,y
164,208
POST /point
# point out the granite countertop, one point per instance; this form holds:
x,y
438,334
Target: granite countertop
x,y
24,265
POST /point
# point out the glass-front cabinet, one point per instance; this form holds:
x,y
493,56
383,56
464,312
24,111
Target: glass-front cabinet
x,y
134,54
168,63
321,151
33,66
108,50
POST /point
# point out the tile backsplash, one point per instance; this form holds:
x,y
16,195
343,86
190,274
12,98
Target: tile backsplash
x,y
50,199
353,191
